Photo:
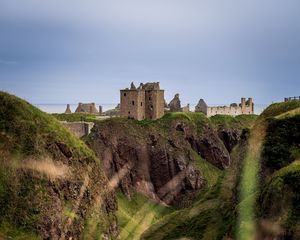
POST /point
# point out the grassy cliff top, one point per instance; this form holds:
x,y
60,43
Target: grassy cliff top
x,y
75,117
47,176
276,109
27,130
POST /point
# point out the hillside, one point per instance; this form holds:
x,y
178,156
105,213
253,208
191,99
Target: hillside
x,y
257,196
181,176
51,183
174,161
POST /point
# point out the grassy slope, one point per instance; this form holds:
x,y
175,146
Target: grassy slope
x,y
133,222
75,117
27,136
137,214
276,189
214,207
238,122
210,215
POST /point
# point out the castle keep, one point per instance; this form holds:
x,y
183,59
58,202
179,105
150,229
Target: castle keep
x,y
144,102
245,107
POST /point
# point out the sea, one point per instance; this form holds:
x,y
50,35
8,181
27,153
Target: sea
x,y
61,107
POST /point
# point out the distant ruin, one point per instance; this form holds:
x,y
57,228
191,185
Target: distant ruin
x,y
87,108
175,105
68,110
291,99
245,107
145,102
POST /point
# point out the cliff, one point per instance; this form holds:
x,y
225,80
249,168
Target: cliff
x,y
167,159
257,196
51,183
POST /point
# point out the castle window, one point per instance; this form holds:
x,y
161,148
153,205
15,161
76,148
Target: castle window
x,y
129,113
124,94
151,107
141,103
149,98
133,103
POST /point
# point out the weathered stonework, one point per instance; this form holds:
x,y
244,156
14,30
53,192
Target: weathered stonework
x,y
144,102
79,129
87,108
68,109
245,107
175,104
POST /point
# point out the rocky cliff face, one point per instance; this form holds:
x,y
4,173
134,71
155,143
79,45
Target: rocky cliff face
x,y
157,158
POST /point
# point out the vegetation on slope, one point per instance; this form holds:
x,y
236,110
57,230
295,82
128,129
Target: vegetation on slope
x,y
220,212
275,144
229,122
75,117
212,216
51,183
137,214
282,140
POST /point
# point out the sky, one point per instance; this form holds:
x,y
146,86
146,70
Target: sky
x,y
70,51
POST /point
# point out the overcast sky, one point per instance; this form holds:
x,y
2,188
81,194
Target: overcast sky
x,y
66,51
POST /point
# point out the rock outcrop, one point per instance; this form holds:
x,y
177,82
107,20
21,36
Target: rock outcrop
x,y
175,104
157,160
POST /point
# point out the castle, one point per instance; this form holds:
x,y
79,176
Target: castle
x,y
85,108
245,107
145,102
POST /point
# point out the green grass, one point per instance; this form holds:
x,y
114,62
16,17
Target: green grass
x,y
267,136
281,145
137,214
230,122
209,172
9,231
75,117
26,129
26,195
276,109
212,216
282,192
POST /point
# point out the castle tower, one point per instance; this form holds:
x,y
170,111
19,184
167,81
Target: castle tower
x,y
132,103
144,102
68,110
243,103
155,101
250,105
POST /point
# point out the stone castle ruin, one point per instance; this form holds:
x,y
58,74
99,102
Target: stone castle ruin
x,y
245,107
85,108
175,105
145,102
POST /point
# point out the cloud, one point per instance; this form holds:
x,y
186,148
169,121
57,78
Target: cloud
x,y
236,45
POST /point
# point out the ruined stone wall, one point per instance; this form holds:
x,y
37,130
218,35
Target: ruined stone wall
x,y
233,111
133,104
79,129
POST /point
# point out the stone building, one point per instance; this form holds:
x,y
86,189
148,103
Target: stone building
x,y
68,109
144,102
245,107
87,108
175,105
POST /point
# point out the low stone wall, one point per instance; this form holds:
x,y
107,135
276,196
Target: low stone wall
x,y
79,129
